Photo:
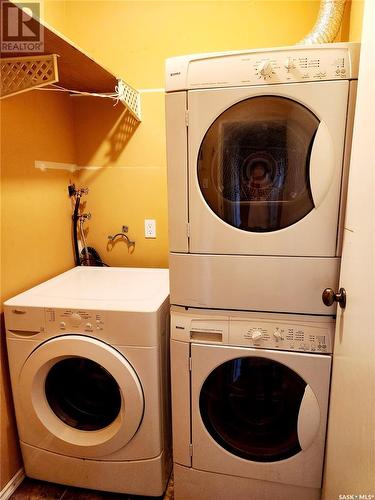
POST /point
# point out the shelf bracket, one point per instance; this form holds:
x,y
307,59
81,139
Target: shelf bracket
x,y
130,98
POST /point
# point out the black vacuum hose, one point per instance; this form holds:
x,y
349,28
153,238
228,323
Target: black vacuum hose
x,y
77,257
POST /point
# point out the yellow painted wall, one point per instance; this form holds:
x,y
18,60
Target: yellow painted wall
x,y
35,213
133,39
356,14
54,13
51,11
132,186
35,217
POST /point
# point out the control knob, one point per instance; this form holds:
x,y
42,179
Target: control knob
x,y
265,68
75,319
289,64
256,335
277,334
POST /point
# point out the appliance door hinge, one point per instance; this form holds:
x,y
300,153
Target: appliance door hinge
x,y
188,229
190,364
187,117
191,449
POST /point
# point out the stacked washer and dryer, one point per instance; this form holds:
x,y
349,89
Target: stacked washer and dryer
x,y
258,148
89,359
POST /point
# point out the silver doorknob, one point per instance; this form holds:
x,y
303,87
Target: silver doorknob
x,y
329,296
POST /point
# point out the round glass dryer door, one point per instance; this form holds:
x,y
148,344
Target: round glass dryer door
x,y
253,163
250,407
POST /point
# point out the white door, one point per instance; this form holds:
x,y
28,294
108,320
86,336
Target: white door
x,y
79,397
265,166
350,459
259,413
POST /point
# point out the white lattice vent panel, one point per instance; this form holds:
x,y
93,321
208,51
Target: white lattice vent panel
x,y
19,74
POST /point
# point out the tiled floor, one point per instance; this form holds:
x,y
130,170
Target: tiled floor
x,y
31,489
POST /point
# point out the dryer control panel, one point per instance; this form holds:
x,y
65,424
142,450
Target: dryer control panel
x,y
299,63
288,332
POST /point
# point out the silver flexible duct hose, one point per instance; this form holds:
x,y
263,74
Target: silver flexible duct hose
x,y
328,23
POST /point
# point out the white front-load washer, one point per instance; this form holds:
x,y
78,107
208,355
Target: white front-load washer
x,y
258,144
88,359
249,403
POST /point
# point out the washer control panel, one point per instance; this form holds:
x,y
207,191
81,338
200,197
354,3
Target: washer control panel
x,y
71,320
288,332
279,335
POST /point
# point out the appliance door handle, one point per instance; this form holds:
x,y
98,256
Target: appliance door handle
x,y
308,419
322,164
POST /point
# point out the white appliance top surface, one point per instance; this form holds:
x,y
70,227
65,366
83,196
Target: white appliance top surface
x,y
102,288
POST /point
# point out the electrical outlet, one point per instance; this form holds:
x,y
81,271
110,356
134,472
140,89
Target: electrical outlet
x,y
150,228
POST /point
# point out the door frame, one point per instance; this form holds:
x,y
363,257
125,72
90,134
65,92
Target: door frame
x,y
350,456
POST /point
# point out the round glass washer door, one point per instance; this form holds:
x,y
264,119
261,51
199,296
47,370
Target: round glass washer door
x,y
254,163
83,396
250,407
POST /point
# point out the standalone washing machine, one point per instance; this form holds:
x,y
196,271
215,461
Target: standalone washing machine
x,y
258,147
88,358
249,401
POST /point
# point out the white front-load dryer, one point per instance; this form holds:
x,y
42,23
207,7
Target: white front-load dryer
x,y
258,144
88,360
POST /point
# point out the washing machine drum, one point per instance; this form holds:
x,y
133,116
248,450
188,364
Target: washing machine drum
x,y
83,397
